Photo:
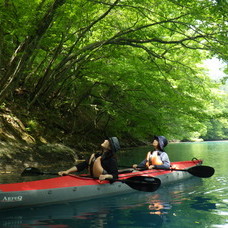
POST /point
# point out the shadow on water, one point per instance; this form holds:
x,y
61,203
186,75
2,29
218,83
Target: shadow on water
x,y
137,209
202,203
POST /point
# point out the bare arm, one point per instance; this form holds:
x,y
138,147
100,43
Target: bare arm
x,y
147,160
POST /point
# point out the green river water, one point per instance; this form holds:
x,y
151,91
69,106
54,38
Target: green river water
x,y
196,202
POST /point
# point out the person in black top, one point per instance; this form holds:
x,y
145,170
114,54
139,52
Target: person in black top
x,y
102,165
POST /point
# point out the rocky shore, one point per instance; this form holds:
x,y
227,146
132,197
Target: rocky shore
x,y
19,149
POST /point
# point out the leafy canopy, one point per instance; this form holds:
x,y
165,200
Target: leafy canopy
x,y
123,67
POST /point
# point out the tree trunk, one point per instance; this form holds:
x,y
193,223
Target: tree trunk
x,y
24,51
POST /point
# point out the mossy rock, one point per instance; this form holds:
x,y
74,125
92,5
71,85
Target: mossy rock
x,y
55,152
15,156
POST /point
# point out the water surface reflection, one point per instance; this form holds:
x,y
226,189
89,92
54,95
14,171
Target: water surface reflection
x,y
131,210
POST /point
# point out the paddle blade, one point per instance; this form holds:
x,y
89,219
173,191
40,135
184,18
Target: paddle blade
x,y
141,183
201,171
31,171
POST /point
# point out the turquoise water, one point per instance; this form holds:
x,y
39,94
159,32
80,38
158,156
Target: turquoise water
x,y
196,202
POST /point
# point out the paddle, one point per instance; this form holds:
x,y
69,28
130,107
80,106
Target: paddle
x,y
31,171
198,171
140,183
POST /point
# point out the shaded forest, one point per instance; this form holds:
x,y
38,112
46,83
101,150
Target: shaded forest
x,y
74,71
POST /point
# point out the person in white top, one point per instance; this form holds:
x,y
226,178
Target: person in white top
x,y
157,158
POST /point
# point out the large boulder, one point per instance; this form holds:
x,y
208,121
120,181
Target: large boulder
x,y
16,156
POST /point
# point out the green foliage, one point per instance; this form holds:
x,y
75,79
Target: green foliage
x,y
120,67
217,127
32,125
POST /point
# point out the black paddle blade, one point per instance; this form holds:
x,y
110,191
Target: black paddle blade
x,y
31,171
202,171
141,183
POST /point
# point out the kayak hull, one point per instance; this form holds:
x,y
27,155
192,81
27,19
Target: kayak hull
x,y
78,188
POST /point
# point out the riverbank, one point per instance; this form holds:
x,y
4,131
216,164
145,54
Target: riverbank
x,y
26,141
41,138
15,156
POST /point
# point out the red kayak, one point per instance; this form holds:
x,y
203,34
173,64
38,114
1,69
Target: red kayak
x,y
73,187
